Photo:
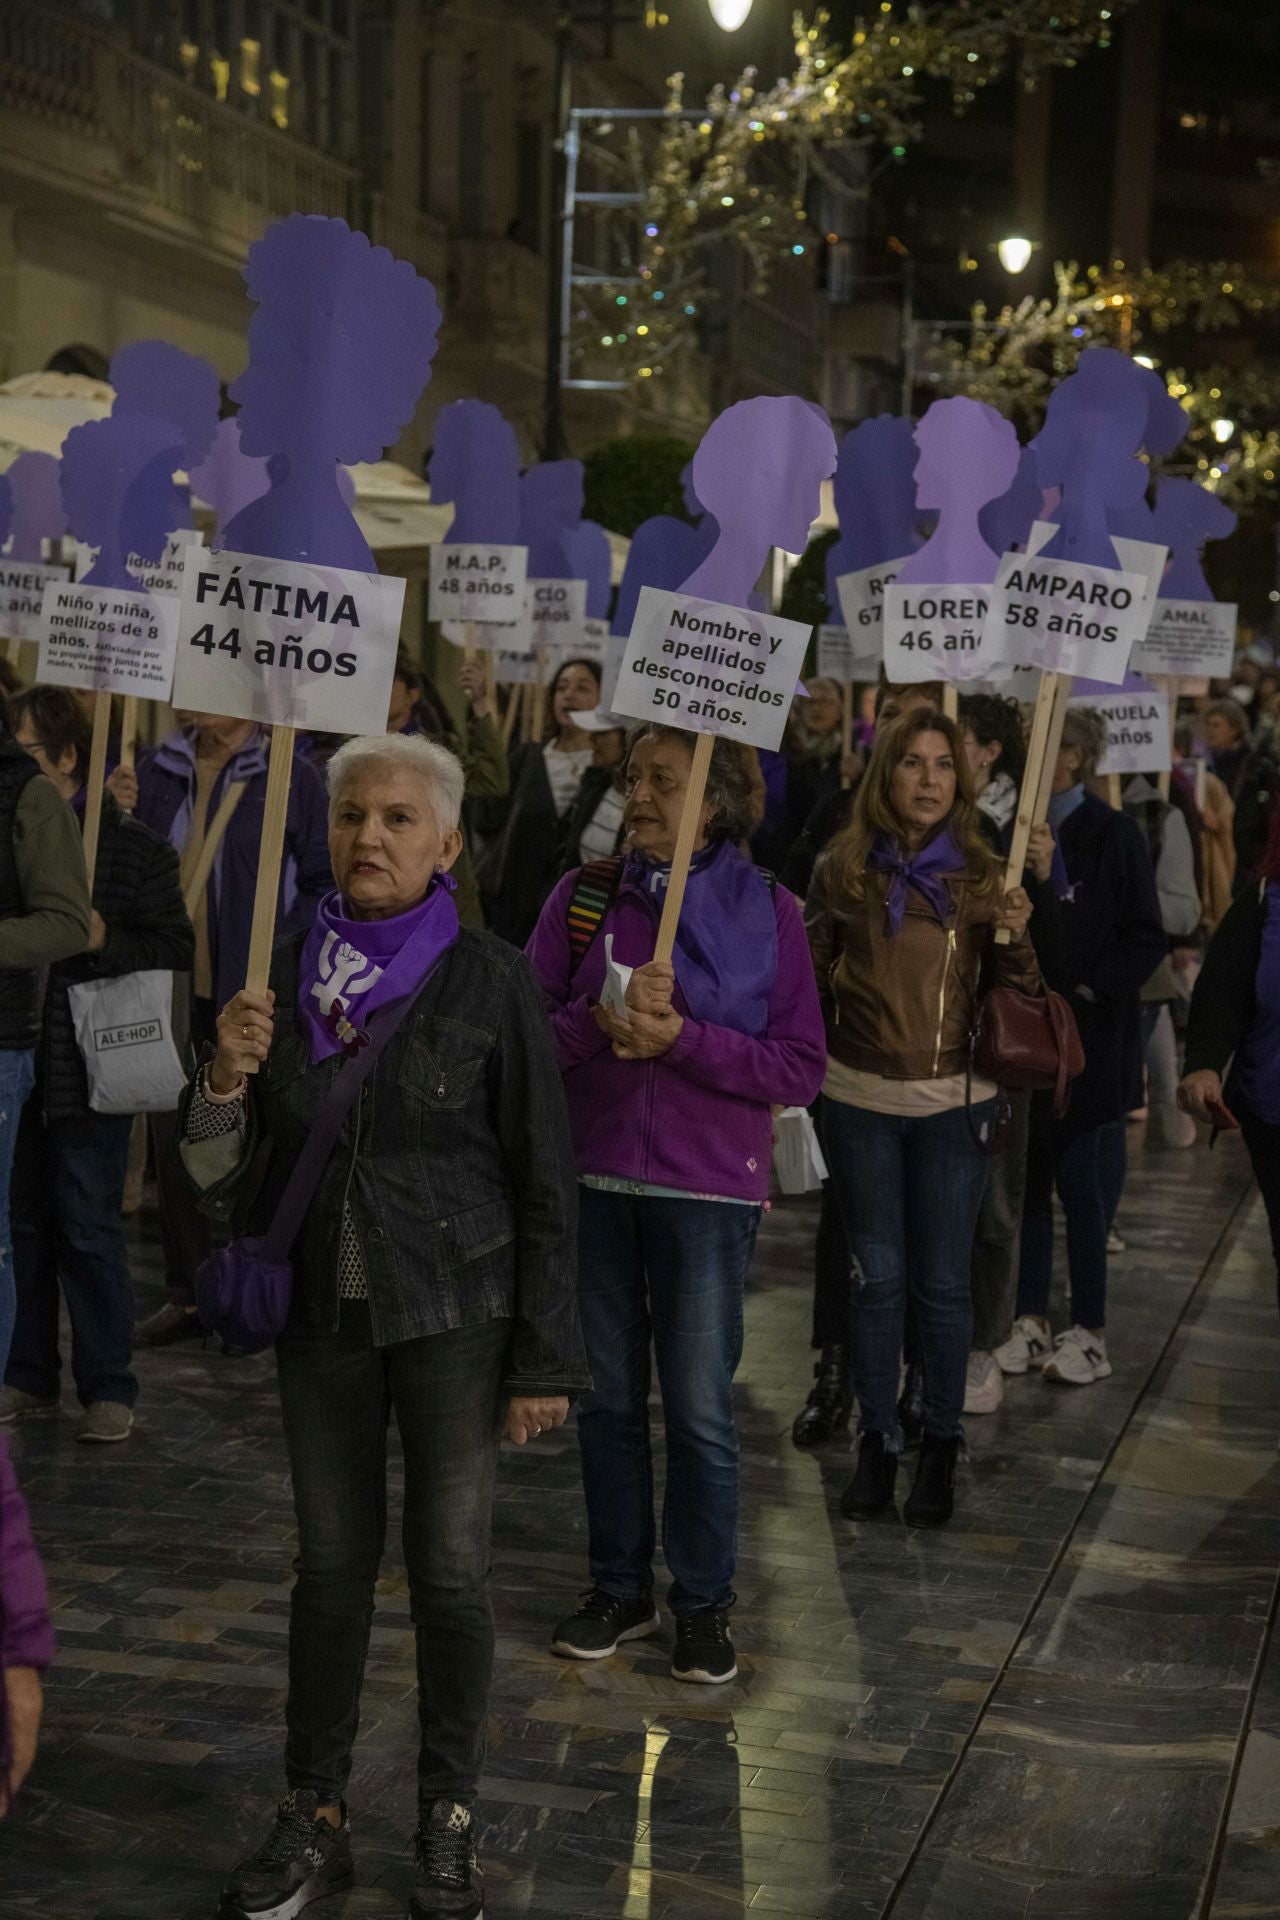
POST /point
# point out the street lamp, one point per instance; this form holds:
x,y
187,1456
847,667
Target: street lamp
x,y
1223,430
729,14
1015,254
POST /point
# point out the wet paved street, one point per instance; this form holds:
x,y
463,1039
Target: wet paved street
x,y
1066,1707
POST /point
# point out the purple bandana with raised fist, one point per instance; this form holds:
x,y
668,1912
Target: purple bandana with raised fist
x,y
350,968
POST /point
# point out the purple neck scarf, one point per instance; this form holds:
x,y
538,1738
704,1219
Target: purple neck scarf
x,y
726,954
350,968
923,871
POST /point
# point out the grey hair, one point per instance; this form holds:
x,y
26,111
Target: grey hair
x,y
1085,729
410,753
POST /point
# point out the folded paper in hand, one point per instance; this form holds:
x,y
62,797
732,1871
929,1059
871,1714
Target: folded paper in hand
x,y
617,979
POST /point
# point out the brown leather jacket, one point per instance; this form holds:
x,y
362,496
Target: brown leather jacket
x,y
904,1006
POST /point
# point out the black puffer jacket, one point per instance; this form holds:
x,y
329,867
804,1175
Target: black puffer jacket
x,y
137,892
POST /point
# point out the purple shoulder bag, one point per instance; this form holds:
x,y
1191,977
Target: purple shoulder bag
x,y
243,1290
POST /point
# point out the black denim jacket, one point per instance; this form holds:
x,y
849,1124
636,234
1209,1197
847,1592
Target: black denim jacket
x,y
455,1162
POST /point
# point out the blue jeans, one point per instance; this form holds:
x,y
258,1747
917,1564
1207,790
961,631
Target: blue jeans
x,y
909,1190
670,1272
1089,1174
17,1077
67,1186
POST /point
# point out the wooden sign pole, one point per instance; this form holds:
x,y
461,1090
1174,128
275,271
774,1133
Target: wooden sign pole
x,y
1037,780
681,859
950,701
511,715
94,783
270,856
1115,798
469,646
846,728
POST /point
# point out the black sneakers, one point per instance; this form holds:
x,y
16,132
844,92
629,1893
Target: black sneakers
x,y
602,1623
302,1859
871,1489
704,1650
450,1885
826,1411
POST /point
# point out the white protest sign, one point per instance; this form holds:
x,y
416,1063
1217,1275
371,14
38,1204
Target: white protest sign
x,y
1065,617
939,633
22,586
844,656
1188,640
1137,723
714,669
286,643
517,666
595,638
473,582
862,602
557,611
154,576
114,639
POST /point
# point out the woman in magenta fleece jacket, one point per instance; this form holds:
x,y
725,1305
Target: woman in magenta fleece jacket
x,y
670,1111
26,1637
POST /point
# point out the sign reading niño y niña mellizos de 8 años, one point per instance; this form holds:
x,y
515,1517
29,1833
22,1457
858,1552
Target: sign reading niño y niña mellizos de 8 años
x,y
286,643
714,669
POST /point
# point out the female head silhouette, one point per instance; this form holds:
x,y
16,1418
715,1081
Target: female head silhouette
x,y
969,455
227,479
340,348
475,463
150,376
1185,517
759,472
875,495
117,488
1007,521
551,499
38,512
1094,425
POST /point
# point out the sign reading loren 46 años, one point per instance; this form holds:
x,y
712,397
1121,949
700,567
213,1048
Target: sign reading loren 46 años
x,y
286,643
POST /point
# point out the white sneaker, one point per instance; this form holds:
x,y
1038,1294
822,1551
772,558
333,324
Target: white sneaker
x,y
1027,1346
983,1386
1114,1243
1079,1358
1177,1129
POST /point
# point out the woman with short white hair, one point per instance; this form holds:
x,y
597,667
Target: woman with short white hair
x,y
433,1276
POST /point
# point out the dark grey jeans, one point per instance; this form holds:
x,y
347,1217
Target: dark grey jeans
x,y
997,1241
338,1392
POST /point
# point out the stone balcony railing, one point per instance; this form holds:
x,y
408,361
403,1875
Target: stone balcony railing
x,y
83,116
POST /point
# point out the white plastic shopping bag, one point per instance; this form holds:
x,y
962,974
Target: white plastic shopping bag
x,y
125,1035
797,1157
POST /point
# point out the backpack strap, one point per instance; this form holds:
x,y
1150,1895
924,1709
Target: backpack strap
x,y
589,902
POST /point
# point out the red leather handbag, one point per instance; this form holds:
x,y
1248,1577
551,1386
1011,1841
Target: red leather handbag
x,y
1027,1042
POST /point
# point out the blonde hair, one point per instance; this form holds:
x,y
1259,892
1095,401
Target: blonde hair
x,y
873,809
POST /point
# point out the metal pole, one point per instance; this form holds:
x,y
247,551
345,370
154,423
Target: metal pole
x,y
908,334
558,265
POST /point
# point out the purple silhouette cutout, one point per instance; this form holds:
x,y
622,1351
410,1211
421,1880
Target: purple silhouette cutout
x,y
875,494
1128,510
1006,523
38,512
1185,516
664,551
969,455
1093,428
6,508
340,348
475,462
759,470
227,478
1167,420
117,487
550,508
152,377
590,557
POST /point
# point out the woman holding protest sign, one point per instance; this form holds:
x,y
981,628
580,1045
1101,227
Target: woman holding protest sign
x,y
670,1090
518,866
902,916
1112,941
70,1166
433,1275
204,791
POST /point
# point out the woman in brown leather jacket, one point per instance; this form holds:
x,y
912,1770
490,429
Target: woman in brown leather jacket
x,y
902,916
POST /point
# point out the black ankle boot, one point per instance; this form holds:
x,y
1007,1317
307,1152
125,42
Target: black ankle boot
x,y
932,1499
826,1411
871,1489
